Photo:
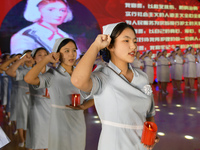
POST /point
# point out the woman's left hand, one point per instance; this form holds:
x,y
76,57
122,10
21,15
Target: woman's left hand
x,y
79,107
157,139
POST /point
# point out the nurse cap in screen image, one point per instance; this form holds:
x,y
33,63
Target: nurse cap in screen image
x,y
33,14
107,29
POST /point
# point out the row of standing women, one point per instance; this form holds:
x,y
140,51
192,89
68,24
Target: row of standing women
x,y
46,122
122,95
177,66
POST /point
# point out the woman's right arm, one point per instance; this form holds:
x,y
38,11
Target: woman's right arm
x,y
81,75
8,62
32,76
11,71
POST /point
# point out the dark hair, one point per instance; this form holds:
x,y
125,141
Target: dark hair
x,y
26,51
118,29
149,52
64,42
18,54
190,48
137,52
4,56
13,55
38,49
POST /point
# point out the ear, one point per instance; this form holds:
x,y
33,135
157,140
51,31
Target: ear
x,y
110,47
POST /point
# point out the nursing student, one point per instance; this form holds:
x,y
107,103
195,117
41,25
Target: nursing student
x,y
149,67
191,68
178,69
157,59
164,71
67,123
137,63
198,66
172,67
123,97
14,93
5,80
40,107
18,70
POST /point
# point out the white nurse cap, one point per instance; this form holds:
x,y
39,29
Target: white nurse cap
x,y
33,52
163,50
177,48
189,48
33,14
148,51
158,52
36,49
57,43
107,29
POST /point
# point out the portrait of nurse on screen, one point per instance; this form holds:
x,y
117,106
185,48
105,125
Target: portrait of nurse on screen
x,y
46,16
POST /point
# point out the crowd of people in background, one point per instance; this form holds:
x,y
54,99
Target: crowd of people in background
x,y
174,67
39,118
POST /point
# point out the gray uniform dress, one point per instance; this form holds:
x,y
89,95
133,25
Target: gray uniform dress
x,y
148,68
137,63
198,66
67,126
38,120
121,106
5,83
13,100
185,66
23,98
172,67
158,65
164,69
178,68
191,66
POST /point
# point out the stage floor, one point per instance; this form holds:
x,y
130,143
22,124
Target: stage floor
x,y
177,118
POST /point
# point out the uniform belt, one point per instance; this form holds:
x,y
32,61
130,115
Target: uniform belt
x,y
41,96
148,65
59,106
24,87
119,125
163,65
191,61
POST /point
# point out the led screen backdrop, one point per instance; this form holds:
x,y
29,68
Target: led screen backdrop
x,y
159,24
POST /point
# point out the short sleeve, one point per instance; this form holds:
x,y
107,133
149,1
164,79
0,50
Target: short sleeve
x,y
98,79
46,80
151,111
